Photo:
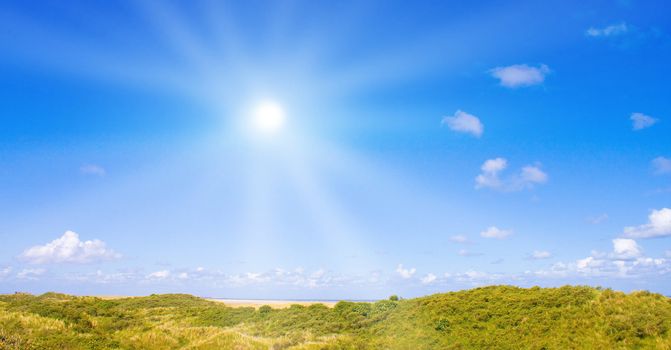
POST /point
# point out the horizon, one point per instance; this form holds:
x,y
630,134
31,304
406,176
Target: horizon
x,y
238,300
333,151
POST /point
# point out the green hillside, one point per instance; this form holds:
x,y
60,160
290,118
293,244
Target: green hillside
x,y
500,317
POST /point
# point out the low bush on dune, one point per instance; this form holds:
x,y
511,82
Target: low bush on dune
x,y
502,317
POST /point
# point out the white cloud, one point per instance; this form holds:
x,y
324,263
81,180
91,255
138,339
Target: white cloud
x,y
490,173
598,265
298,277
69,249
466,252
429,278
625,261
520,75
249,278
611,30
137,276
5,271
464,122
276,278
533,174
540,254
477,278
494,165
92,169
255,277
661,165
527,178
659,225
495,232
624,248
405,273
598,219
588,262
159,275
640,121
459,239
106,278
30,274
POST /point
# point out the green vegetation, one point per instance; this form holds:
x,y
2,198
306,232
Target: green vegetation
x,y
500,317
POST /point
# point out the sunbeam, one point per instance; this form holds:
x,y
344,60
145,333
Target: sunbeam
x,y
306,147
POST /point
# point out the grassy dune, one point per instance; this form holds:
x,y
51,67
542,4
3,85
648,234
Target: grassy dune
x,y
499,317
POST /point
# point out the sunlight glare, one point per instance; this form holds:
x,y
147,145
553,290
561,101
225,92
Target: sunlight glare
x,y
268,116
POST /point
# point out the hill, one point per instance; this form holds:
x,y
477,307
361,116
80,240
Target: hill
x,y
501,317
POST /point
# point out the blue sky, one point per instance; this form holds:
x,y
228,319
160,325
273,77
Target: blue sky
x,y
333,149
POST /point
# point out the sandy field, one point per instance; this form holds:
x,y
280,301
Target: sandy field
x,y
276,304
256,303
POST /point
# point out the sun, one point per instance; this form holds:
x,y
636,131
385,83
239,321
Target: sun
x,y
268,117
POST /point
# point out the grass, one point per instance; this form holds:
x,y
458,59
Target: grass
x,y
501,317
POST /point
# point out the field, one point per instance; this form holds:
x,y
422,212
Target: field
x,y
501,317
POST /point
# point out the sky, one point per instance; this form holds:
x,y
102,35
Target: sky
x,y
333,150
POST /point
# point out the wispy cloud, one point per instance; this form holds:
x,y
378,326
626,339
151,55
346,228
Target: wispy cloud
x,y
159,275
532,174
464,122
540,254
527,178
476,278
611,30
69,249
520,75
92,169
299,277
640,121
659,225
661,165
495,232
277,277
5,271
107,278
468,253
404,272
595,220
459,239
30,274
429,278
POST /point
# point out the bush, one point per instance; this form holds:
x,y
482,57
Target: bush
x,y
490,317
